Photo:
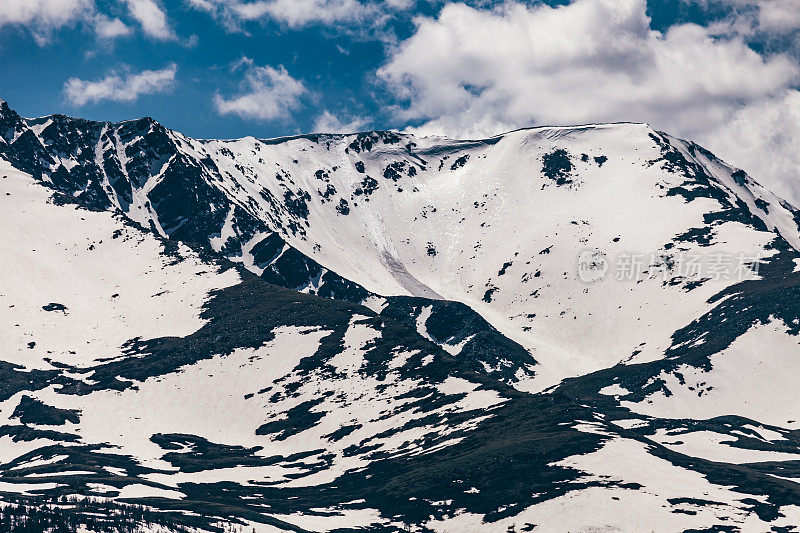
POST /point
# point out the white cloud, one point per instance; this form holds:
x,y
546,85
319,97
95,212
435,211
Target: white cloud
x,y
120,88
223,11
43,16
297,13
46,12
327,122
763,138
477,72
108,28
770,17
349,15
268,93
779,15
152,18
518,65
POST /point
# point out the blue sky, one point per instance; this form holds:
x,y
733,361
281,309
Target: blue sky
x,y
723,72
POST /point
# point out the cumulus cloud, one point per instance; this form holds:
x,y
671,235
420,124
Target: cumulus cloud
x,y
327,122
267,93
473,72
120,87
485,70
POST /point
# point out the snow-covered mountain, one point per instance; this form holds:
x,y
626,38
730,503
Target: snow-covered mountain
x,y
555,329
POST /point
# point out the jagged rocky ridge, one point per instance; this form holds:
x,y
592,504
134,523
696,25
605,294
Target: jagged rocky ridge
x,y
212,395
156,178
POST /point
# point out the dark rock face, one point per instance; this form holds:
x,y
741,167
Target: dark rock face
x,y
557,166
365,141
480,346
32,411
53,306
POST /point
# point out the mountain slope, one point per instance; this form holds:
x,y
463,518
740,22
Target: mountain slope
x,y
498,224
202,376
151,359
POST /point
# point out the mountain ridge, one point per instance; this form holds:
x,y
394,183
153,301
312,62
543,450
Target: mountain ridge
x,y
456,365
282,138
222,194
